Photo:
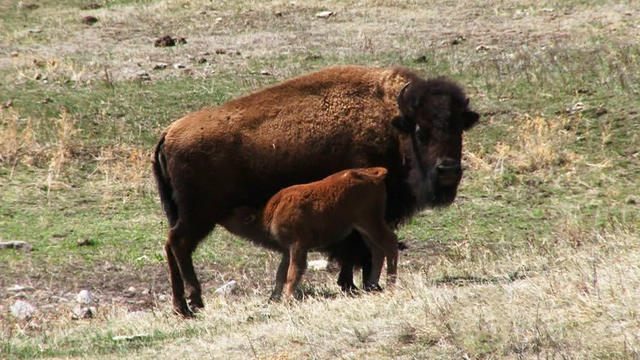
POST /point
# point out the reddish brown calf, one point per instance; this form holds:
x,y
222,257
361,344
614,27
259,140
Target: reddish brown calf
x,y
311,216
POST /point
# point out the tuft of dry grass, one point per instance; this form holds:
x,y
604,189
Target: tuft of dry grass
x,y
536,145
17,140
124,169
62,151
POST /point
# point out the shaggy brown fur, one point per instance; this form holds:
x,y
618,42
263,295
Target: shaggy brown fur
x,y
301,130
311,216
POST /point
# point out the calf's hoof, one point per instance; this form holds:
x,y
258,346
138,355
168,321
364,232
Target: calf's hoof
x,y
275,297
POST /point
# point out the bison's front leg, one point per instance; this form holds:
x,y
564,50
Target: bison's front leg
x,y
281,277
351,253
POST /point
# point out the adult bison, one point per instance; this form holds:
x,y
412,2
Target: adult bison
x,y
302,130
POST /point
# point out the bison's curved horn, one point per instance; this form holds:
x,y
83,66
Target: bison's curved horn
x,y
401,93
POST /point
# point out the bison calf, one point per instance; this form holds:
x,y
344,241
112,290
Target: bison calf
x,y
311,216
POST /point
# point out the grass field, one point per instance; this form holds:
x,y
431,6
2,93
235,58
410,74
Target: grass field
x,y
539,257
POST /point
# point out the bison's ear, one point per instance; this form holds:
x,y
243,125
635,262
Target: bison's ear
x,y
470,118
407,101
404,124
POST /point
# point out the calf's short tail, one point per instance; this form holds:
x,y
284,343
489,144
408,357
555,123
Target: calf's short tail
x,y
165,189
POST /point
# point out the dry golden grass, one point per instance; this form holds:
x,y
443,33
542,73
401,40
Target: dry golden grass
x,y
581,301
537,144
124,170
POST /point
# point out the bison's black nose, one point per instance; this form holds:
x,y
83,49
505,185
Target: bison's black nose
x,y
449,171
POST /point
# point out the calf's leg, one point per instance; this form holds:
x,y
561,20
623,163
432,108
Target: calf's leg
x,y
281,277
297,266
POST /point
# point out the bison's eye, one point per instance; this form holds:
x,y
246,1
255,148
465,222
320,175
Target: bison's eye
x,y
422,134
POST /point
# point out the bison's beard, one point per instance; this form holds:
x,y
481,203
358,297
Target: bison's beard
x,y
427,190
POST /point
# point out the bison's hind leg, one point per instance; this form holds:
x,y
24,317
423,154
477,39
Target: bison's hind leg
x,y
180,245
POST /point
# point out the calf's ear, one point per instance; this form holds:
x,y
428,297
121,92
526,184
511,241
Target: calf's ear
x,y
470,118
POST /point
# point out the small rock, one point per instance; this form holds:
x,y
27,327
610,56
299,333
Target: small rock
x,y
179,66
421,59
142,75
46,100
324,14
202,61
34,31
164,41
16,245
278,14
89,20
227,289
7,104
83,312
129,338
85,242
483,48
131,289
22,310
162,298
265,73
458,40
84,297
318,265
91,6
14,54
160,66
181,41
575,108
19,288
221,51
218,20
28,6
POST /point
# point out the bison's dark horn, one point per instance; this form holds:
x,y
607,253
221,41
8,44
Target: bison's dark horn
x,y
401,93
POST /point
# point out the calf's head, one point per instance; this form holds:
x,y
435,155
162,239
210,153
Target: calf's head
x,y
434,114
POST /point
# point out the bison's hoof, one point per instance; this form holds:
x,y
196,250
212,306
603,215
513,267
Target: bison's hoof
x,y
372,287
183,310
348,286
196,304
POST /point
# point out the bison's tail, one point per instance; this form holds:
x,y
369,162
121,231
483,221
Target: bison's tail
x,y
164,184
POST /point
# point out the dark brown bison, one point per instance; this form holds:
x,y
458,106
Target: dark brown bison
x,y
311,216
241,153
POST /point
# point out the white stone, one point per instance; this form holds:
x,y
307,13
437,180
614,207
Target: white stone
x,y
18,288
324,14
318,265
84,297
227,289
22,310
